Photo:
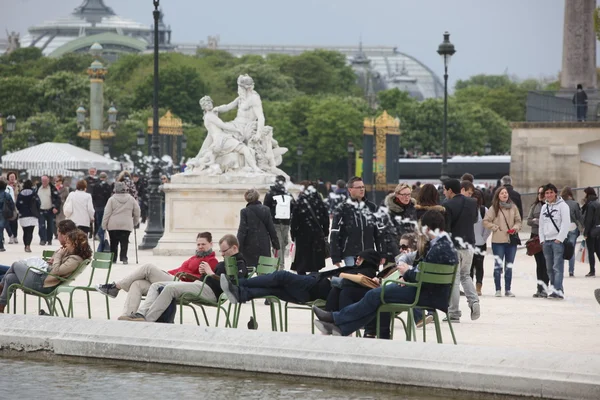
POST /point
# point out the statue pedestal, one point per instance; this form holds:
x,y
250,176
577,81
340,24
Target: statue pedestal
x,y
198,203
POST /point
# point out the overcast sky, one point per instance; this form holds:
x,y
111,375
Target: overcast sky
x,y
523,37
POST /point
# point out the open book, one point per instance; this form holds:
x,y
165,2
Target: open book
x,y
361,280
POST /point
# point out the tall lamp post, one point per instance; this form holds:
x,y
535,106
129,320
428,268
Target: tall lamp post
x,y
11,123
155,229
350,159
446,50
299,152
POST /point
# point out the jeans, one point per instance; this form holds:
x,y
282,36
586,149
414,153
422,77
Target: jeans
x,y
98,215
283,284
581,111
283,234
349,261
2,223
593,249
572,236
477,264
503,252
3,270
555,265
357,315
119,237
46,225
465,259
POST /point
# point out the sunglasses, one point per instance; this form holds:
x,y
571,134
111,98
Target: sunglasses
x,y
403,247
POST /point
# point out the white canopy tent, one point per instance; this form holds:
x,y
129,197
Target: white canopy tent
x,y
56,158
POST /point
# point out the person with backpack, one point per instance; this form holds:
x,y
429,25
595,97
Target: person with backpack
x,y
8,213
28,204
281,204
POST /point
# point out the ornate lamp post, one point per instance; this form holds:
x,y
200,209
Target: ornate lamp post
x,y
11,123
446,50
155,229
299,152
487,149
350,159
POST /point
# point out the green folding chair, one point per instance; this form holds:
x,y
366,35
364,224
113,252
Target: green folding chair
x,y
100,261
429,273
268,265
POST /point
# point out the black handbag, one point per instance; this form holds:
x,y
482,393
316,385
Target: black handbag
x,y
513,237
568,248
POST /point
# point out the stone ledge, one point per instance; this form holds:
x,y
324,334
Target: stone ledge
x,y
557,124
470,368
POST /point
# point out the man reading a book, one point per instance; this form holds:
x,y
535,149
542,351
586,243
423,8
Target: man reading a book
x,y
439,250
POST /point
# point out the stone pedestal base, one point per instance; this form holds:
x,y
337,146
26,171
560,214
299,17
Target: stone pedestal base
x,y
196,203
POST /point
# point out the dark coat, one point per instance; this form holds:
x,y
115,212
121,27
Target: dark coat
x,y
91,181
309,234
395,220
277,190
256,233
354,229
28,204
421,210
461,216
515,197
100,195
336,198
213,280
591,215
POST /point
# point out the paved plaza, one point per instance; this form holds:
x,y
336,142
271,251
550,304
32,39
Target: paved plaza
x,y
522,322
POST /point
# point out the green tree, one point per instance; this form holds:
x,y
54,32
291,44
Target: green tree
x,y
394,101
272,84
489,81
507,101
63,92
22,96
42,126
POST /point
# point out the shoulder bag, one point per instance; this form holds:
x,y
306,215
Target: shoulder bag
x,y
568,248
513,237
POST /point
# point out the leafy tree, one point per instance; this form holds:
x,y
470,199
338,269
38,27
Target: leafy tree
x,y
395,101
489,81
271,84
507,101
42,126
23,55
216,59
63,92
71,62
21,96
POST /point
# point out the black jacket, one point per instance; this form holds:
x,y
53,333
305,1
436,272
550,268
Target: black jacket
x,y
28,204
395,220
271,202
515,197
336,198
309,232
54,195
213,280
91,181
591,215
580,98
461,215
256,233
354,229
100,195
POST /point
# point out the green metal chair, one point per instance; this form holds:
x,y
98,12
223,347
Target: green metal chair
x,y
268,265
304,306
47,254
49,298
429,273
100,261
191,299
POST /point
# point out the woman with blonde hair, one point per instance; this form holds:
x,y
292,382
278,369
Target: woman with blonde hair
x,y
504,220
397,215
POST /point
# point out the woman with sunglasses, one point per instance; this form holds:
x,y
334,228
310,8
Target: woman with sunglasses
x,y
533,220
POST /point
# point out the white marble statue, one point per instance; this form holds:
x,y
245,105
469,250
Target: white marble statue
x,y
244,144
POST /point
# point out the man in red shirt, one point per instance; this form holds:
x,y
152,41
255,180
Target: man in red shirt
x,y
138,282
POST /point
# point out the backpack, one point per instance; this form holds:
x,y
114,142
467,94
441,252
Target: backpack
x,y
283,206
9,213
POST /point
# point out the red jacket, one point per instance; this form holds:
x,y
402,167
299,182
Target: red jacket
x,y
191,265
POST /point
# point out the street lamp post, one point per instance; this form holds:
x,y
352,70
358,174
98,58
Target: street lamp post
x,y
487,149
446,50
350,159
155,229
299,152
11,123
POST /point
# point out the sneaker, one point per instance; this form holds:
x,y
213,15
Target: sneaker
x,y
498,293
509,294
133,317
462,293
11,240
231,291
42,242
428,320
571,275
475,311
110,289
2,249
124,262
556,296
454,320
597,295
591,275
49,243
328,328
16,240
540,295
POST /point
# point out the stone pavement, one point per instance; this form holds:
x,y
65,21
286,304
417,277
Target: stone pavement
x,y
522,322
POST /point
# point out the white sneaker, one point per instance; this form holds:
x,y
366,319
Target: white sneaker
x,y
509,294
498,293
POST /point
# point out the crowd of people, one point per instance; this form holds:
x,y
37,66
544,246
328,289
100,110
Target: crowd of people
x,y
411,225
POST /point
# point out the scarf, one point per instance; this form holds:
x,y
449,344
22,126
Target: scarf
x,y
206,253
505,205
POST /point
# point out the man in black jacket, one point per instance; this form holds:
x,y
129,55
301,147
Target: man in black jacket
x,y
354,226
157,301
514,196
281,204
461,215
100,195
141,185
580,101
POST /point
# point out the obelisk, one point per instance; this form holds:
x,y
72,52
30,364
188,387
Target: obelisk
x,y
579,47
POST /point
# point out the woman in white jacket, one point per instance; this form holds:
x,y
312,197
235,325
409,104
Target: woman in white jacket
x,y
79,207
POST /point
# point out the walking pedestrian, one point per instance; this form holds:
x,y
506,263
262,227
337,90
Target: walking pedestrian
x,y
533,220
28,205
100,196
281,204
12,226
576,223
50,206
580,101
481,236
591,228
4,198
504,220
63,192
121,214
79,208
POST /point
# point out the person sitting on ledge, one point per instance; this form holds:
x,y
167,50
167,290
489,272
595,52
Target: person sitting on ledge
x,y
294,288
440,251
64,263
158,301
138,282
